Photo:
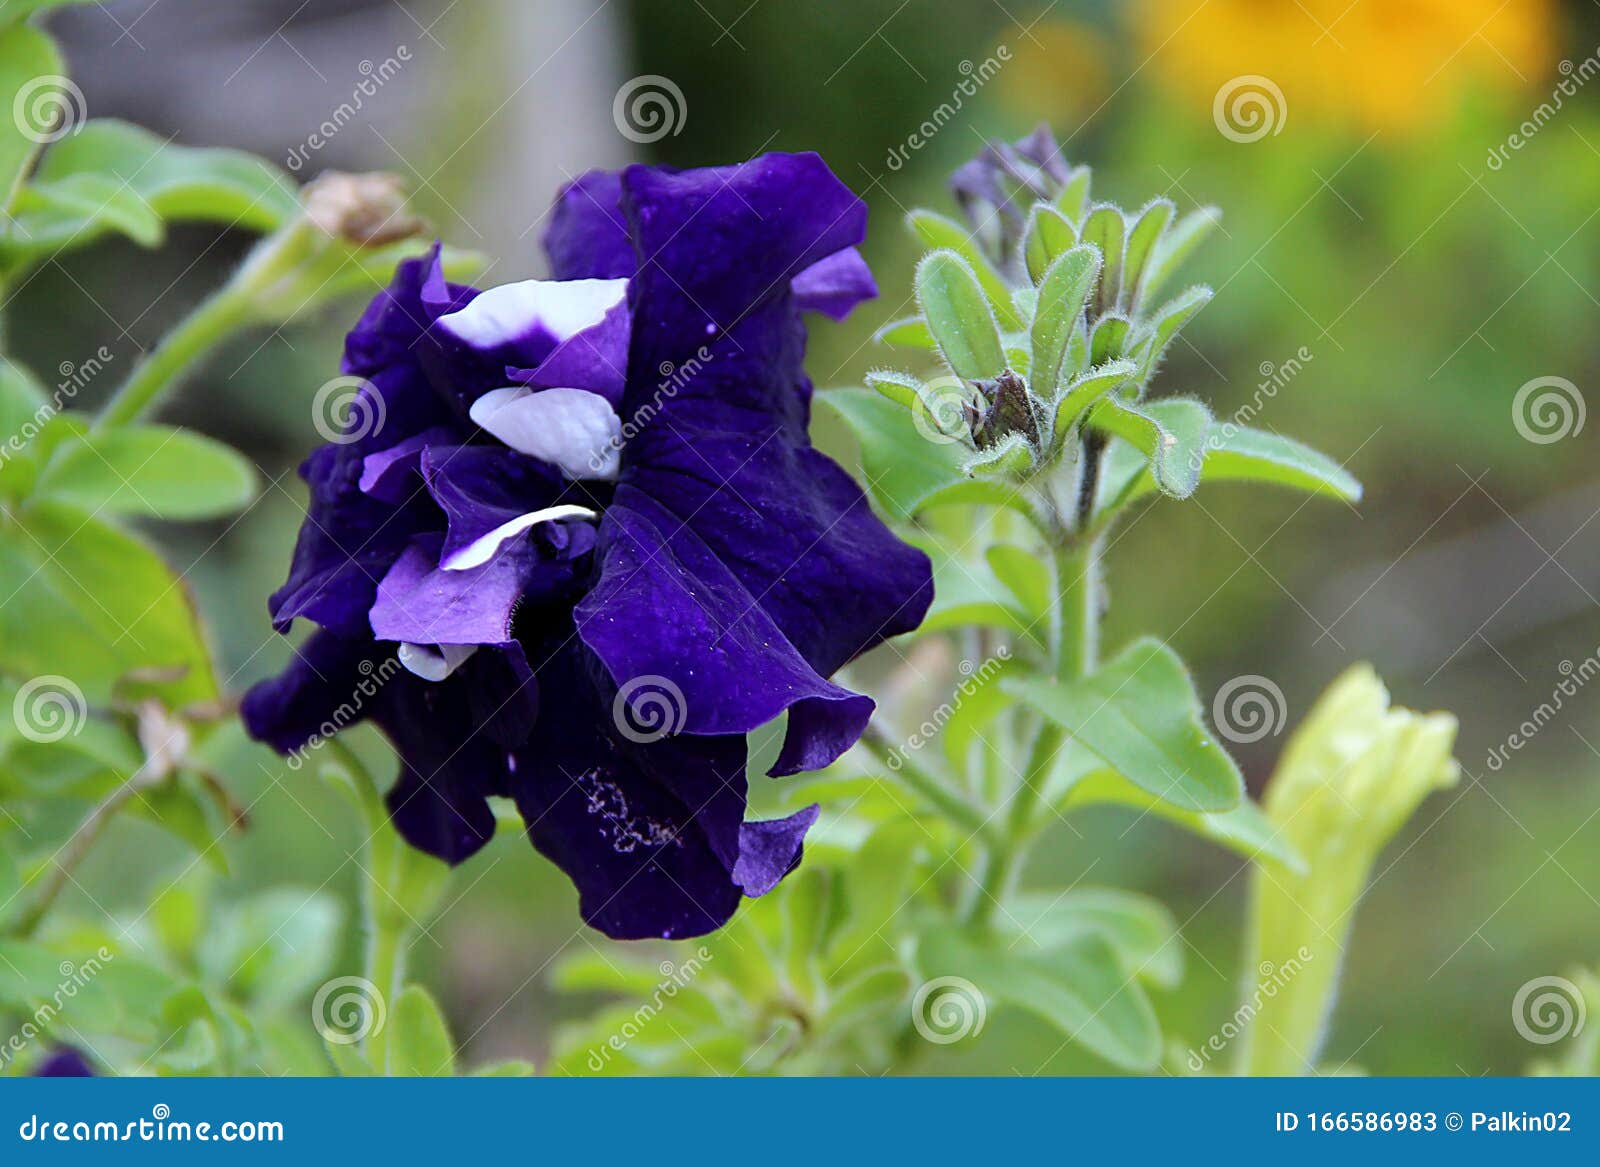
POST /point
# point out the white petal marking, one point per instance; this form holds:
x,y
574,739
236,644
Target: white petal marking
x,y
572,429
482,549
434,662
563,307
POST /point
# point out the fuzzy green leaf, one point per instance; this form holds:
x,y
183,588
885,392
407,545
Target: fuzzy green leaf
x,y
1086,390
1177,245
946,234
1048,235
907,332
420,1045
959,316
1106,229
1062,294
1143,239
1140,714
1172,439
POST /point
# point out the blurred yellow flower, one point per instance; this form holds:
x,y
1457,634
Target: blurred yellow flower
x,y
1057,71
1373,64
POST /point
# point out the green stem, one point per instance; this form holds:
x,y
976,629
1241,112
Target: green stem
x,y
958,808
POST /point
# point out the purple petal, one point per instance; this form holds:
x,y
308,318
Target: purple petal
x,y
835,285
588,233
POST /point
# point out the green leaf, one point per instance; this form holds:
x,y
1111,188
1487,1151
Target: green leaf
x,y
1078,396
1110,339
906,472
92,603
1026,574
1241,454
945,234
348,1060
10,885
14,10
958,316
175,183
1011,457
31,75
1106,229
1062,294
1142,241
1140,715
1080,988
419,1043
55,216
1245,829
1172,437
1073,200
1169,318
966,592
273,948
907,332
1140,930
1177,245
901,388
24,409
1048,234
161,471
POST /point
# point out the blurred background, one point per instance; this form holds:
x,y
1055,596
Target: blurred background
x,y
1410,189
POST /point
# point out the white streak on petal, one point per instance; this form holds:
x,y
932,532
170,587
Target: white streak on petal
x,y
434,663
563,308
482,549
572,429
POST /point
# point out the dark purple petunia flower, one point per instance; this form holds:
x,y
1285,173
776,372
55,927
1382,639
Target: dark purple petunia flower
x,y
63,1062
585,516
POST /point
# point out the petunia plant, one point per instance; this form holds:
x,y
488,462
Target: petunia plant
x,y
569,549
